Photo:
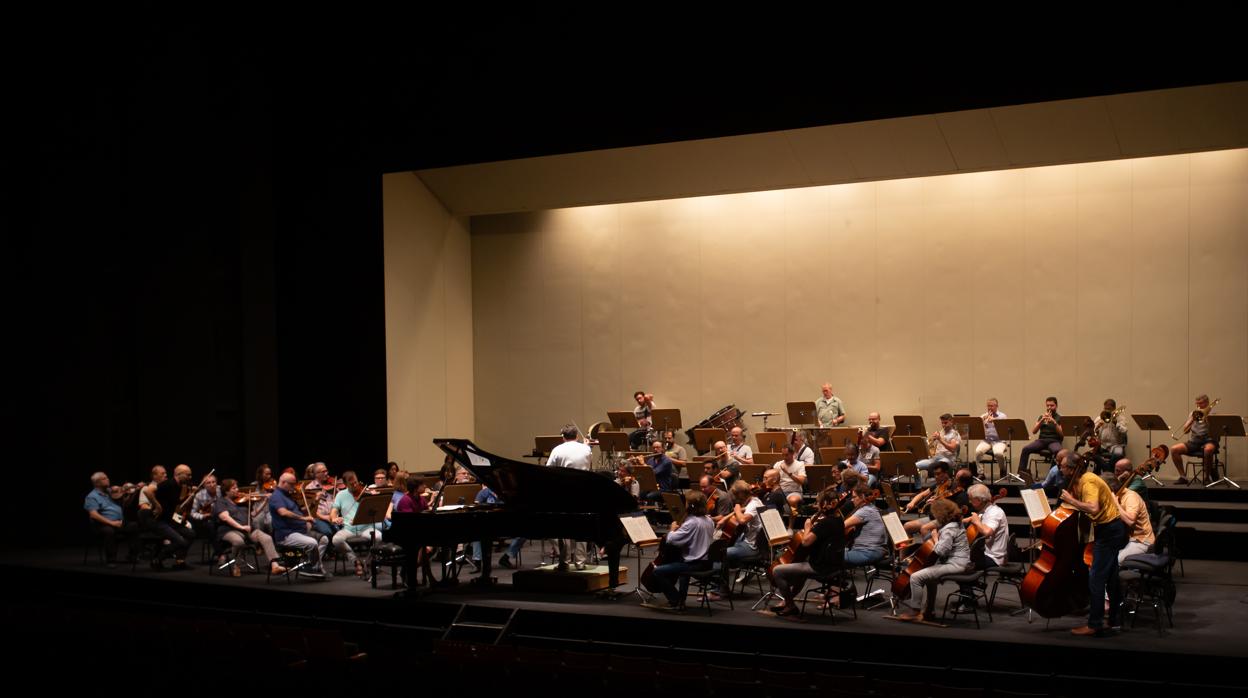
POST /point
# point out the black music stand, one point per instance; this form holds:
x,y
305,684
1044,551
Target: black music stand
x,y
1009,431
1222,426
622,420
372,510
841,436
895,465
1151,423
704,439
819,477
612,441
802,413
545,444
908,425
1071,424
665,419
971,428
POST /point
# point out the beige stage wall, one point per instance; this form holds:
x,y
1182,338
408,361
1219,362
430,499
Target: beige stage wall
x,y
429,371
1123,278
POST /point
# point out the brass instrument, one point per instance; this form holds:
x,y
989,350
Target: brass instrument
x,y
1199,414
1108,417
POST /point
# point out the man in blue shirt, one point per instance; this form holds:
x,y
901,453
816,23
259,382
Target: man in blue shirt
x,y
663,467
292,528
106,518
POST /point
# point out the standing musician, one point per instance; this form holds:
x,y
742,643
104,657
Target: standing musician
x,y
292,528
1111,430
571,453
1094,498
663,472
824,540
792,474
877,435
952,547
992,440
801,450
1134,514
1049,427
869,545
947,442
1198,442
988,519
829,408
693,539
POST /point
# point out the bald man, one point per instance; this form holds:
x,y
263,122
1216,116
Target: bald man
x,y
178,535
294,529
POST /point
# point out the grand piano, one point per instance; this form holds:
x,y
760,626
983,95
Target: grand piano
x,y
537,502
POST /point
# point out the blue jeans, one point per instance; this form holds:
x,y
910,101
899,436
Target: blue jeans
x,y
512,550
672,579
863,558
1110,538
1052,484
325,528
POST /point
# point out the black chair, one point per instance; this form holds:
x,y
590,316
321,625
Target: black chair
x,y
755,568
1148,579
1010,574
839,582
704,580
295,560
972,586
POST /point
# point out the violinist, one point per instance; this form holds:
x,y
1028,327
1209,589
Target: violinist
x,y
1095,500
624,478
168,494
947,441
230,511
870,543
345,505
107,518
292,528
381,480
663,472
263,484
988,519
954,551
722,506
1048,428
792,474
202,508
770,493
1134,514
746,517
942,489
823,539
693,539
324,490
1054,481
1198,441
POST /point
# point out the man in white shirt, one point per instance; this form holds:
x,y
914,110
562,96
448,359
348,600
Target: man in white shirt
x,y
988,519
992,440
801,451
571,453
947,442
792,477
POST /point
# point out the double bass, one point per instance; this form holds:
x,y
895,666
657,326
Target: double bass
x,y
1057,583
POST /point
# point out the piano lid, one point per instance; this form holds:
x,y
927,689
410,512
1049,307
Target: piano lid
x,y
540,488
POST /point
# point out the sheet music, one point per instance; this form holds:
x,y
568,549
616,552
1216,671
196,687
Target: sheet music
x,y
640,532
1036,503
774,525
896,532
451,507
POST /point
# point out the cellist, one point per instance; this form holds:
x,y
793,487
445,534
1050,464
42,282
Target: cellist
x,y
952,547
1097,502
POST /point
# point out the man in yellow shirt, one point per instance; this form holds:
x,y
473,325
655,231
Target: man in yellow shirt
x,y
1097,502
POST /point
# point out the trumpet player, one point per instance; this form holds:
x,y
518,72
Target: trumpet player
x,y
1198,441
992,440
1048,428
1111,431
947,441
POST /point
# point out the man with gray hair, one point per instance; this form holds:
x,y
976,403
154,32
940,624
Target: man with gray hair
x,y
989,520
107,518
1133,512
291,528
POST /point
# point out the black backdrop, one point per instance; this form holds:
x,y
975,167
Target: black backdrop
x,y
193,216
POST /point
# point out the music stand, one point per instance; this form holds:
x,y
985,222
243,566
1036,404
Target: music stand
x,y
1151,423
703,439
895,465
1223,426
645,478
802,412
545,444
622,420
819,438
762,458
970,428
772,441
841,436
1071,424
612,441
668,418
908,425
1010,430
372,510
821,476
752,473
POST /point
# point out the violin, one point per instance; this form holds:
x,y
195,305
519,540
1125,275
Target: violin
x,y
269,486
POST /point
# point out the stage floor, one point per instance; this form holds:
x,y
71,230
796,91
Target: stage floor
x,y
1210,612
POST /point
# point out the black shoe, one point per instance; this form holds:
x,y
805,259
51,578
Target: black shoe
x,y
504,561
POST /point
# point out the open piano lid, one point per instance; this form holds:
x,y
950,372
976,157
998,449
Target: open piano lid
x,y
529,487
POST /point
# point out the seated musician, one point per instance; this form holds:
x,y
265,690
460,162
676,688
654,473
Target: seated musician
x,y
345,507
738,448
398,480
877,435
693,540
1133,512
230,513
677,453
801,451
107,518
641,436
710,492
1198,443
849,479
291,527
1096,501
942,489
1111,431
381,480
663,472
824,539
167,494
869,456
1136,484
992,440
829,409
1048,428
202,507
746,514
947,442
769,490
624,478
726,467
989,520
866,526
953,552
264,482
324,504
792,474
850,460
1054,481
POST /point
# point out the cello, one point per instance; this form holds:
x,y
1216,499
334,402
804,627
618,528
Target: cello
x,y
1057,583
